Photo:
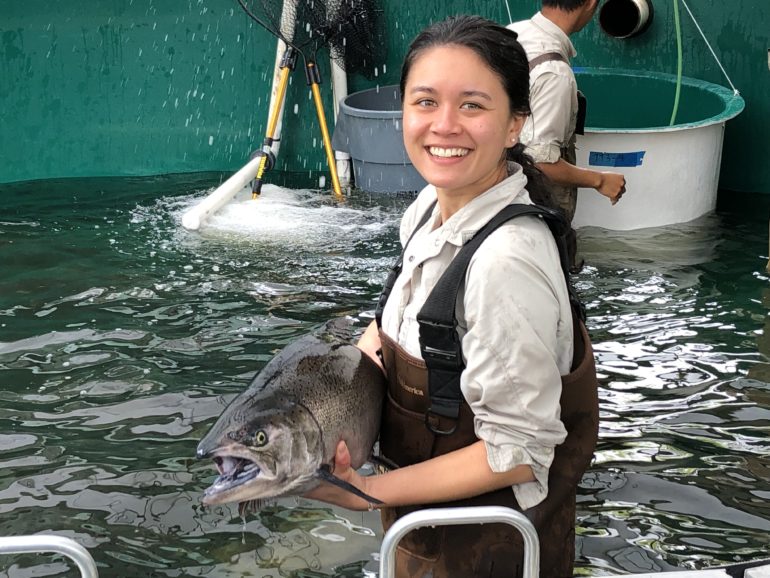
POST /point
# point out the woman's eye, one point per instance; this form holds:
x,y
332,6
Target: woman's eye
x,y
471,106
425,102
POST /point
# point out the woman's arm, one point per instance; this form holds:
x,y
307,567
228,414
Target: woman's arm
x,y
370,344
459,474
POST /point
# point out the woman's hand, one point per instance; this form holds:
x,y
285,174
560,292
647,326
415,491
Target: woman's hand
x,y
332,494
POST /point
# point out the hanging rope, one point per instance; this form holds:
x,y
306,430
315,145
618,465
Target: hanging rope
x,y
678,63
735,90
510,18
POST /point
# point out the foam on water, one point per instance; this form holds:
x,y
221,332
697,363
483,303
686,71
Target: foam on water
x,y
294,216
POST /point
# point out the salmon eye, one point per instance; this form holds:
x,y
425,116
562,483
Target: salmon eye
x,y
260,438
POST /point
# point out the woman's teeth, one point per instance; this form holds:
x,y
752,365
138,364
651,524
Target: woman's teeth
x,y
442,152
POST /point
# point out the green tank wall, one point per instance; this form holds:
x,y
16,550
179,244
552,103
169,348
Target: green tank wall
x,y
139,87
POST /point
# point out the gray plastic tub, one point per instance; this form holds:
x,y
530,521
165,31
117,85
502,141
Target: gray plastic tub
x,y
369,129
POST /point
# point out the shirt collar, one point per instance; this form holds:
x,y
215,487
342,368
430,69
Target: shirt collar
x,y
556,33
461,226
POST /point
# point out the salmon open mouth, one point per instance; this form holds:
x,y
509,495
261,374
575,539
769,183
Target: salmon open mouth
x,y
233,472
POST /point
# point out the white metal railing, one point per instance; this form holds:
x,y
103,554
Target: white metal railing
x,y
38,543
453,517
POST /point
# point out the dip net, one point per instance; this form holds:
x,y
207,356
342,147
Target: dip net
x,y
349,29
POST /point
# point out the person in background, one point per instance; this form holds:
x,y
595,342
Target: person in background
x,y
516,420
557,116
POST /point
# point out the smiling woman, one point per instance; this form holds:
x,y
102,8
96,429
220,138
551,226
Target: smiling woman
x,y
492,393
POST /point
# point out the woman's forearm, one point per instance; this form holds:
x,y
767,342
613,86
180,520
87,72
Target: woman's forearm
x,y
568,175
611,185
459,474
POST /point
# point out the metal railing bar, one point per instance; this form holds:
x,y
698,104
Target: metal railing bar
x,y
453,517
39,543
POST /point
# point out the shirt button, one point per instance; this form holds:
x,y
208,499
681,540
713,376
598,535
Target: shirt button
x,y
411,258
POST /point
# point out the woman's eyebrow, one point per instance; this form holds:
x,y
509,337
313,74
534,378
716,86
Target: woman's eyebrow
x,y
422,89
477,93
465,93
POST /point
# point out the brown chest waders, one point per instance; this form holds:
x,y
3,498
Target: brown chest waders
x,y
425,416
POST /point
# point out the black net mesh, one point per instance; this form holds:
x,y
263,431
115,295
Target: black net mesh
x,y
350,29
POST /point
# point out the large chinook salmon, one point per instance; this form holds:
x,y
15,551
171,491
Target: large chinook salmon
x,y
279,437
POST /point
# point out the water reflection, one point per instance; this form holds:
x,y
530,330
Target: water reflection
x,y
682,446
114,372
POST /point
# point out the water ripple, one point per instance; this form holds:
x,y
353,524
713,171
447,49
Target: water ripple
x,y
115,371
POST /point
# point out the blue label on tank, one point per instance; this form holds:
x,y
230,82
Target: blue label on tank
x,y
598,159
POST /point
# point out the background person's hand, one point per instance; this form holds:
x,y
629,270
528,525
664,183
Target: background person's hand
x,y
612,186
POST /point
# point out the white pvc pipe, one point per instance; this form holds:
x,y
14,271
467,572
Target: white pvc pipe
x,y
287,31
280,49
340,91
196,216
613,11
644,15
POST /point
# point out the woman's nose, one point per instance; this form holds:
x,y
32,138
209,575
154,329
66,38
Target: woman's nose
x,y
445,121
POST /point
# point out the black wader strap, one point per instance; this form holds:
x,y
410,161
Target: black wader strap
x,y
395,271
439,342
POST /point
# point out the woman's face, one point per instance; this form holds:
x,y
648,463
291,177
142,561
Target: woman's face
x,y
457,121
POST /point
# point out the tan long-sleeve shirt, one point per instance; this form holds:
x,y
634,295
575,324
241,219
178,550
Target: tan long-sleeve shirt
x,y
515,324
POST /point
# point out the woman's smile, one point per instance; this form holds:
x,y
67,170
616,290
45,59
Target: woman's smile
x,y
445,152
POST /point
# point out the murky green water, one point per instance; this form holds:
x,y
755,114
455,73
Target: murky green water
x,y
122,337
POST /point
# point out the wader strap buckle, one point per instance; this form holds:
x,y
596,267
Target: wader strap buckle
x,y
434,429
442,352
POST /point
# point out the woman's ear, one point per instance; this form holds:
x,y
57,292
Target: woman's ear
x,y
514,128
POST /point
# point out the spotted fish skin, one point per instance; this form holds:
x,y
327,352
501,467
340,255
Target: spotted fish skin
x,y
273,438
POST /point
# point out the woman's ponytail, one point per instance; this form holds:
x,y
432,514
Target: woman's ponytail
x,y
536,179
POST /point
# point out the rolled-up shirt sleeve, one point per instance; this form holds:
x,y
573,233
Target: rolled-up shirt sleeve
x,y
551,101
515,354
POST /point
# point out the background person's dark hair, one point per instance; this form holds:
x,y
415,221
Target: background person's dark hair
x,y
566,5
498,47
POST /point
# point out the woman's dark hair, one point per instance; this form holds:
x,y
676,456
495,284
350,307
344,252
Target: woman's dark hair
x,y
499,48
